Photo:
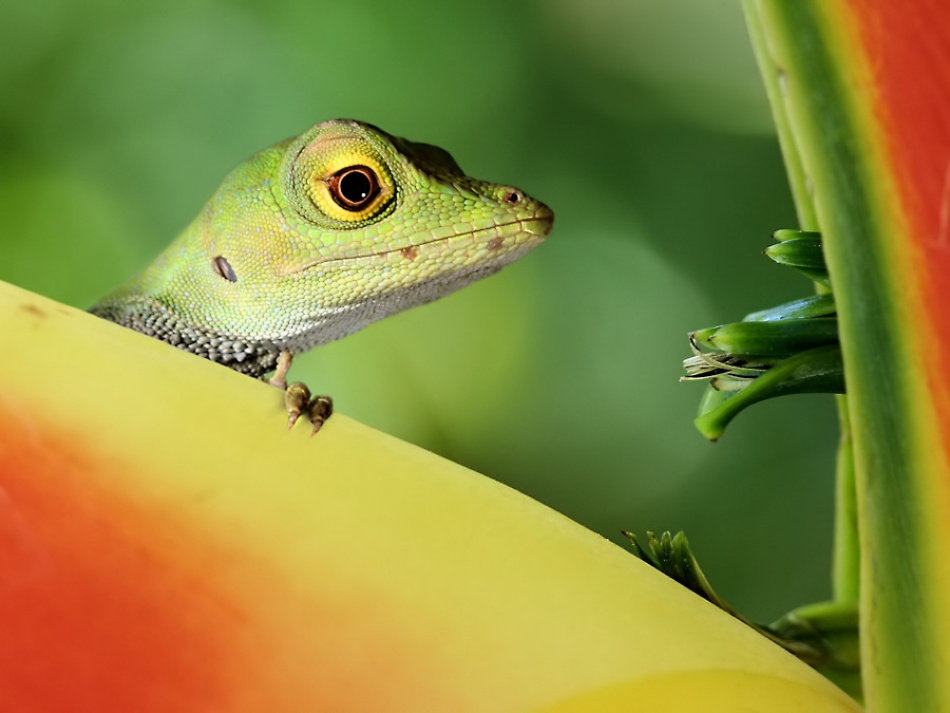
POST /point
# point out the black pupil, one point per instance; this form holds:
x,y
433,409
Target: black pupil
x,y
355,187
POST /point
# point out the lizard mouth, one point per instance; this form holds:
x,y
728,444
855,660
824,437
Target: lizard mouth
x,y
499,238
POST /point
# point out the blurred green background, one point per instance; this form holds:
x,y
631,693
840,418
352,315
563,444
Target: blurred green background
x,y
642,123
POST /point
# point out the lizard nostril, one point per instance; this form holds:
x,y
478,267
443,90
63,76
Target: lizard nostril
x,y
223,268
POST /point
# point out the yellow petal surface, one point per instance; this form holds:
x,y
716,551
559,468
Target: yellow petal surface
x,y
166,544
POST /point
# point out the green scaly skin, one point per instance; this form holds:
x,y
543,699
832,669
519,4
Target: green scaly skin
x,y
279,261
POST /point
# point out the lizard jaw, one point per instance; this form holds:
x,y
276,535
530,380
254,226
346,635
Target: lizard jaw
x,y
530,231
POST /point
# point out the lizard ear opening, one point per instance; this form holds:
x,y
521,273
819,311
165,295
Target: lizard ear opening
x,y
223,268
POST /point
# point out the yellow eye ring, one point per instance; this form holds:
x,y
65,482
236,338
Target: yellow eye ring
x,y
353,190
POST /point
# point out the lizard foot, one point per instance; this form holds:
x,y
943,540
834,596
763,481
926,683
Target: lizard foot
x,y
297,397
298,401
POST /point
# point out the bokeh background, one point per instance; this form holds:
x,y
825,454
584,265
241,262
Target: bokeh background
x,y
641,122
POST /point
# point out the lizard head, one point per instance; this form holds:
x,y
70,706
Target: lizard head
x,y
322,234
374,224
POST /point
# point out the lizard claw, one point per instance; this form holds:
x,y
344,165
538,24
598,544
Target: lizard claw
x,y
321,408
297,397
297,400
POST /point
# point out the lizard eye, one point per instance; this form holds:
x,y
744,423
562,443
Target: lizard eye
x,y
353,188
342,184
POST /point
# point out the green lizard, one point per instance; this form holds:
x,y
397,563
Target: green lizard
x,y
317,237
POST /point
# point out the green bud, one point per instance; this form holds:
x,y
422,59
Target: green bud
x,y
791,234
805,308
800,252
818,370
804,254
774,338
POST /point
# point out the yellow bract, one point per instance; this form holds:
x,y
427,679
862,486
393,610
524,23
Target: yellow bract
x,y
348,572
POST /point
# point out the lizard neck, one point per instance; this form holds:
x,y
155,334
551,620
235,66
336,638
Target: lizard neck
x,y
256,354
254,357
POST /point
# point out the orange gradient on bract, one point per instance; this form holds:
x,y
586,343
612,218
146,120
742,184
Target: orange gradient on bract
x,y
108,603
907,45
94,616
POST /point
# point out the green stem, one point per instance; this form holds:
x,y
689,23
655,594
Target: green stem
x,y
773,78
846,570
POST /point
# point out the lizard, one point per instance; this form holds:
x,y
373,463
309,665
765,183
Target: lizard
x,y
315,238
